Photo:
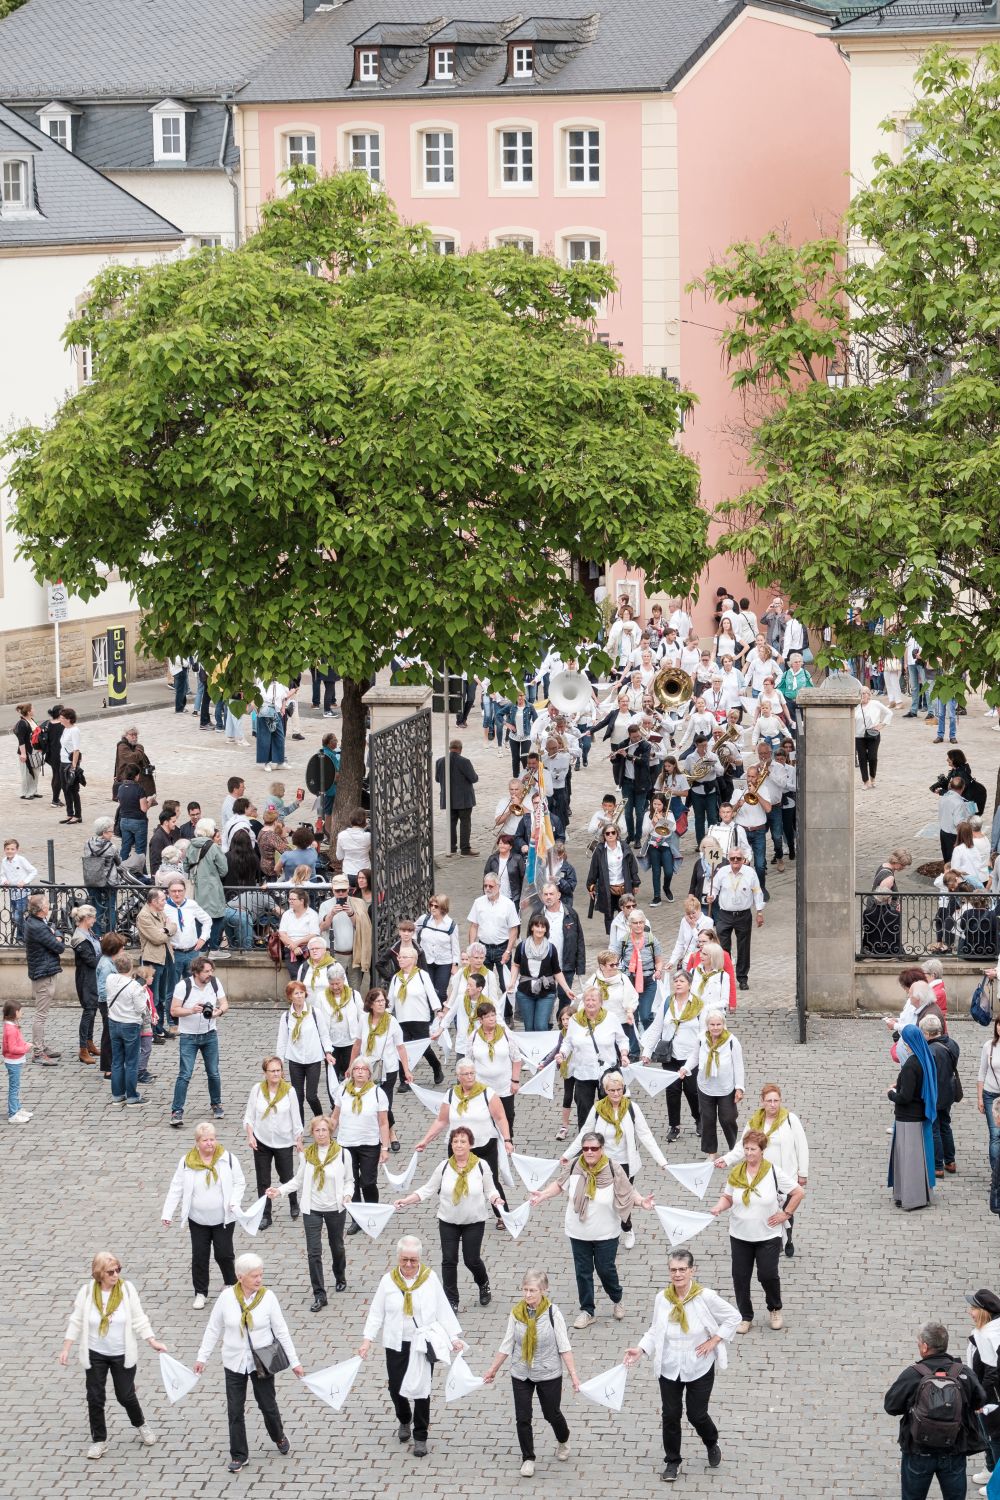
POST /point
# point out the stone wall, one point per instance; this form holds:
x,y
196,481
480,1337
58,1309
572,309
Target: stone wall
x,y
246,979
27,657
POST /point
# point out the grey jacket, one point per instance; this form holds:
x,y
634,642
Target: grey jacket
x,y
207,867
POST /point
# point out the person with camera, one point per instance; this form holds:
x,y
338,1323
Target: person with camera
x,y
197,1003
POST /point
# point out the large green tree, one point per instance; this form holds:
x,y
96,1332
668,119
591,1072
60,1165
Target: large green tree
x,y
870,364
290,468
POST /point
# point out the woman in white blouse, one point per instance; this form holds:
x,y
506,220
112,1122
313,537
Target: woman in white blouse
x,y
354,845
968,860
677,1028
273,1124
414,1002
537,1344
761,1198
617,992
437,938
304,1044
298,924
786,1147
686,1344
380,1044
594,1042
470,1102
464,1189
623,1125
108,1320
718,1058
325,1180
496,1057
208,1184
248,1317
870,718
342,1008
693,922
361,1122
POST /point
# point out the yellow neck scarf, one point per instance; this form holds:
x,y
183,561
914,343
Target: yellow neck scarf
x,y
297,1019
592,1173
470,970
613,1114
315,970
739,1177
337,1002
758,1121
197,1163
375,1030
529,1316
403,980
407,1291
280,1093
463,1099
678,1304
498,1036
113,1303
461,1188
605,989
691,1011
357,1095
246,1321
311,1154
582,1019
714,1048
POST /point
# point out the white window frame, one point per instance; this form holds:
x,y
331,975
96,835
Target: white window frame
x,y
161,152
585,233
501,237
517,157
589,142
519,68
59,123
99,660
444,65
442,236
420,187
583,237
495,132
564,187
369,65
13,207
304,150
368,132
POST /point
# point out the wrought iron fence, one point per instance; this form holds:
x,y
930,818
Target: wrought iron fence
x,y
913,924
252,912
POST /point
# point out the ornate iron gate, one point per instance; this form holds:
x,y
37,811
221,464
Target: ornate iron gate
x,y
402,823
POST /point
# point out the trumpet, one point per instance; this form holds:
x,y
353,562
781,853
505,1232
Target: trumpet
x,y
516,805
606,823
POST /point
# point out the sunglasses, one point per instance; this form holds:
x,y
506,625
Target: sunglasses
x,y
587,1149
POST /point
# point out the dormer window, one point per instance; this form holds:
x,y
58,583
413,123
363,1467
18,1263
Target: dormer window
x,y
15,185
522,62
444,64
172,135
56,121
57,129
170,130
367,65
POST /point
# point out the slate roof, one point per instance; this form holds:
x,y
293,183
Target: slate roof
x,y
608,46
119,138
75,204
917,17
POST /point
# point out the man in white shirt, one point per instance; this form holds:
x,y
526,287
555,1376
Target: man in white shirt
x,y
494,922
794,637
515,794
337,914
558,765
236,788
728,834
737,890
194,927
197,1003
680,621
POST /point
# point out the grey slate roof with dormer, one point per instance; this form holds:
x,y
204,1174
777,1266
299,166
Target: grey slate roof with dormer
x,y
916,17
73,204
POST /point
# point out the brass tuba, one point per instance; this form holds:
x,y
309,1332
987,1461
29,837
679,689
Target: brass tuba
x,y
672,687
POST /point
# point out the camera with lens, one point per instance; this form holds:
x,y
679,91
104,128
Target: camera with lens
x,y
208,1009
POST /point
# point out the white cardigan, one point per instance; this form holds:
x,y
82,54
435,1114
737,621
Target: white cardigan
x,y
786,1148
137,1325
430,1305
708,1315
181,1189
634,1128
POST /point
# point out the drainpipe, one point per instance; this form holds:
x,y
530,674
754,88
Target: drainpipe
x,y
230,174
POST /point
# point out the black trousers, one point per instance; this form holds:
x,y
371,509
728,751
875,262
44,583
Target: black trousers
x,y
236,1402
341,1061
396,1361
689,1087
72,796
740,923
788,823
281,1156
468,1237
364,1160
490,1154
313,1224
123,1380
947,844
765,1255
867,753
518,755
206,1240
104,1062
56,770
586,1093
549,1394
304,1078
440,974
715,1109
415,1031
697,1394
461,828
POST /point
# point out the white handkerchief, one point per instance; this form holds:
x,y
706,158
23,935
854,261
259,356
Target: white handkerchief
x,y
249,1218
535,1045
542,1083
653,1080
534,1171
177,1378
445,1039
427,1097
460,1380
402,1180
503,1161
516,1218
681,1224
371,1217
333,1083
333,1385
415,1050
607,1389
694,1175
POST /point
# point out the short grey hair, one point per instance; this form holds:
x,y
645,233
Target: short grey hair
x,y
205,828
715,1011
476,948
931,1026
933,968
935,1336
921,994
102,825
246,1264
465,1064
536,1277
411,1243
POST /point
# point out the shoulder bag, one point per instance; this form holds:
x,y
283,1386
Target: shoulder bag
x,y
268,1359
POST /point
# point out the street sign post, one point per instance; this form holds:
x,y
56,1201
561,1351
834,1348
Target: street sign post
x,y
58,602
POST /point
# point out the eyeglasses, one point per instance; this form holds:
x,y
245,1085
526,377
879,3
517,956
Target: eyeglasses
x,y
611,834
592,1148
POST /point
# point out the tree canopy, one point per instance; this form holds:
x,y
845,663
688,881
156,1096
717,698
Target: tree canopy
x,y
289,468
870,366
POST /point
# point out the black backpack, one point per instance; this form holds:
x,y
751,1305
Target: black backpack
x,y
976,792
938,1406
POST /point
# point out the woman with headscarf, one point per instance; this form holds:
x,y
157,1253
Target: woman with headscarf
x,y
914,1098
537,1344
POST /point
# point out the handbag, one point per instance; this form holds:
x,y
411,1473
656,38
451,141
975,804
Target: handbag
x,y
274,949
268,1359
981,1009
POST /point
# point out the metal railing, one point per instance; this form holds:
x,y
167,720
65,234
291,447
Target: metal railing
x,y
252,912
912,924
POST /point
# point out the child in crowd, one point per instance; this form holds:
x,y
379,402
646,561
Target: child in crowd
x,y
144,974
18,873
14,1050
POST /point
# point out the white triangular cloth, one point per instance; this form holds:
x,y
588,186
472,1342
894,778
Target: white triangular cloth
x,y
461,1381
371,1217
177,1378
249,1218
542,1083
694,1175
427,1097
607,1389
534,1171
402,1180
516,1218
333,1385
681,1224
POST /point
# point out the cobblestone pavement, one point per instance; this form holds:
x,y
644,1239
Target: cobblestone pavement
x,y
799,1412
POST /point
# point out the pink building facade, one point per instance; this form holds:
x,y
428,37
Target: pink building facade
x,y
648,137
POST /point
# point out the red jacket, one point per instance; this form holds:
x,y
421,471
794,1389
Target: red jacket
x,y
14,1045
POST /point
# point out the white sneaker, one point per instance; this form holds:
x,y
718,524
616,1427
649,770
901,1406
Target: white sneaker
x,y
199,1301
96,1450
562,1451
583,1320
527,1468
619,1311
629,1240
21,1118
147,1435
268,766
983,1477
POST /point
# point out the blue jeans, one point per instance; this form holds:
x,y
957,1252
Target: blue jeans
x,y
207,1043
944,1140
777,827
661,864
215,936
948,708
757,839
635,811
125,1039
18,906
918,1470
135,832
163,990
599,1256
917,677
534,1010
102,898
270,742
993,1128
183,959
180,691
706,811
13,1087
239,929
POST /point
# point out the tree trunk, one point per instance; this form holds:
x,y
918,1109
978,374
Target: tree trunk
x,y
352,756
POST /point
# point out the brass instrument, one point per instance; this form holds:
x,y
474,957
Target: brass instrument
x,y
516,805
672,687
570,691
660,830
723,743
702,770
611,822
750,796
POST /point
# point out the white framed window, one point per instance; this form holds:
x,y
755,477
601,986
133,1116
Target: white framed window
x,y
580,251
439,158
57,128
517,157
368,69
364,150
444,244
209,241
583,156
99,659
15,185
85,364
300,150
522,63
444,63
523,242
171,134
